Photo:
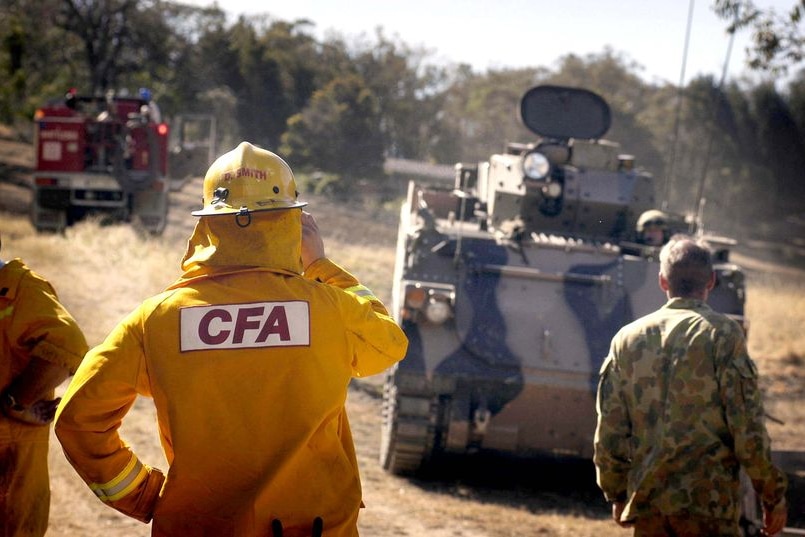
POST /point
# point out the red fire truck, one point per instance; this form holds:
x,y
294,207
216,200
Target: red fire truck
x,y
101,154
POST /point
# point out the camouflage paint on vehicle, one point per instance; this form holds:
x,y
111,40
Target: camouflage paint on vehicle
x,y
510,288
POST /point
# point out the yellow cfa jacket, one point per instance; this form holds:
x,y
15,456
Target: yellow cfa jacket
x,y
248,362
33,323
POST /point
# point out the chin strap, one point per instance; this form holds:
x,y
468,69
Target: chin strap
x,y
243,211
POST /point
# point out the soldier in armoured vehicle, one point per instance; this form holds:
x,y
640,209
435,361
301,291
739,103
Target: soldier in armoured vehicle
x,y
652,228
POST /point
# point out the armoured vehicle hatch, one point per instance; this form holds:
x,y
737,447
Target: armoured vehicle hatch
x,y
511,284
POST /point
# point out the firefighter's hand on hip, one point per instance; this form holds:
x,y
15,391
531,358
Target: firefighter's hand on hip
x,y
38,413
312,243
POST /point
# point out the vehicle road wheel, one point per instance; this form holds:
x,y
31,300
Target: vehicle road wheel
x,y
406,438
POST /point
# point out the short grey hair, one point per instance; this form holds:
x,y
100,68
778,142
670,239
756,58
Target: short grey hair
x,y
686,264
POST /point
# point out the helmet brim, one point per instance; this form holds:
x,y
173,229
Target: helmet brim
x,y
219,210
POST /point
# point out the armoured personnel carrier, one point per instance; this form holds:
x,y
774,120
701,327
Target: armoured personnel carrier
x,y
511,284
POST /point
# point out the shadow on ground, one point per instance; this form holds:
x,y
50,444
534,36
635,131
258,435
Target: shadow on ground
x,y
565,486
796,500
561,485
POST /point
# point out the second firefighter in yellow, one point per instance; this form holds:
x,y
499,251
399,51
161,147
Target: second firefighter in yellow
x,y
248,357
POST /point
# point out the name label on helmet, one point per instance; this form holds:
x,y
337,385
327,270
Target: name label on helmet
x,y
245,172
245,326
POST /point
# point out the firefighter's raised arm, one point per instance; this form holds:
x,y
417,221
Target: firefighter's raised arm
x,y
312,243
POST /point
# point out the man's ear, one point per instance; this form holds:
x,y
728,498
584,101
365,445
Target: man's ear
x,y
712,282
663,282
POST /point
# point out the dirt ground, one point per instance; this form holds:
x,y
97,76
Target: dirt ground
x,y
483,496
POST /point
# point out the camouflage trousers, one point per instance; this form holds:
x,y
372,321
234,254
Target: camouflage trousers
x,y
684,525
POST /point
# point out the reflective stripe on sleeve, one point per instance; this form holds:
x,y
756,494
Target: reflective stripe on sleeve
x,y
361,291
126,481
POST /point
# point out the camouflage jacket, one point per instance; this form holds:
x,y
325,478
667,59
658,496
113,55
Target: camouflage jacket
x,y
679,412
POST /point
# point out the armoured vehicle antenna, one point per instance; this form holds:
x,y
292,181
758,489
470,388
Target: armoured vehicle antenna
x,y
669,176
718,97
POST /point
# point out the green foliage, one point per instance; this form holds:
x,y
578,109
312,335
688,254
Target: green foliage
x,y
36,59
119,37
405,90
481,112
338,132
337,108
777,39
615,77
780,146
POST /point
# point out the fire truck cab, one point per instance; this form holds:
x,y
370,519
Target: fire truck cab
x,y
101,154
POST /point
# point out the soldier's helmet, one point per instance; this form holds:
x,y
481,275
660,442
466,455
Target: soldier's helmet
x,y
653,227
248,179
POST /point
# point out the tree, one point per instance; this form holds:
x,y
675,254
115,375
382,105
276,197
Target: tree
x,y
338,133
777,40
796,99
481,112
741,150
271,67
36,59
407,92
194,45
615,77
290,61
120,37
781,145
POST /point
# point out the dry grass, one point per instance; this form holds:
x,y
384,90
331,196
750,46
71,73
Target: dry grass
x,y
100,273
776,310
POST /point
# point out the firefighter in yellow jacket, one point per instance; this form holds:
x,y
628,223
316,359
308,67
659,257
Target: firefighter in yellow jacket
x,y
40,346
248,357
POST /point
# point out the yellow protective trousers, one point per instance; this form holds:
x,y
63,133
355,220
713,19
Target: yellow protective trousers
x,y
24,485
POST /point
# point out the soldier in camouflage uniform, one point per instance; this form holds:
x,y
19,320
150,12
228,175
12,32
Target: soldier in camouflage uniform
x,y
680,412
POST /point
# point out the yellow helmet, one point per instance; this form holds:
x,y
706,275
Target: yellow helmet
x,y
248,179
